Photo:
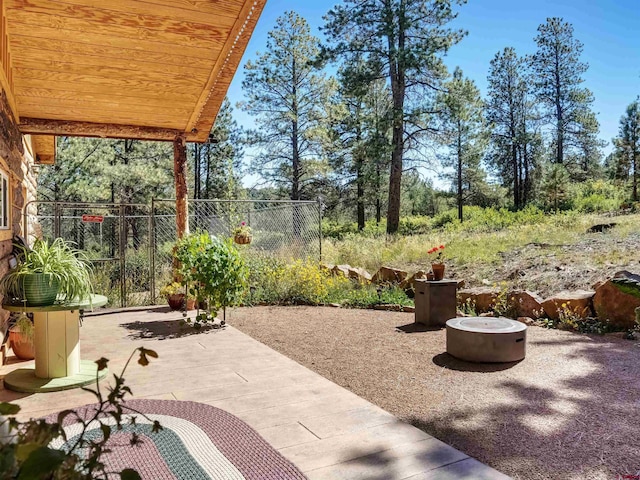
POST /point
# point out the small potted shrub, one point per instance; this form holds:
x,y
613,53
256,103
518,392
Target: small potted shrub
x,y
175,294
21,338
48,271
242,234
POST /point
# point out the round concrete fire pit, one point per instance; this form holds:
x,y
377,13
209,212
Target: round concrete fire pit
x,y
486,339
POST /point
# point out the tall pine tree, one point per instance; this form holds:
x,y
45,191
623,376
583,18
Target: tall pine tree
x,y
557,78
289,97
627,143
401,41
465,135
511,112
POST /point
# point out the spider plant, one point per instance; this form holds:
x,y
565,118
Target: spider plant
x,y
56,263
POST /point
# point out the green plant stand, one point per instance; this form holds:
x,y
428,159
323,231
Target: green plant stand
x,y
57,347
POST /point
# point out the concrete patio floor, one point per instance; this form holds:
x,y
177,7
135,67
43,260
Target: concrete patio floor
x,y
327,431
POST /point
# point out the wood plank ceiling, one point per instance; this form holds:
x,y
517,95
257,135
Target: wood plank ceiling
x,y
151,69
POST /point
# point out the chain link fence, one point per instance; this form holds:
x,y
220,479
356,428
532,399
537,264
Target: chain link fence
x,y
130,245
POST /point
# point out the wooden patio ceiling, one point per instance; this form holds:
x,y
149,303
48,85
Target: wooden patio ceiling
x,y
145,69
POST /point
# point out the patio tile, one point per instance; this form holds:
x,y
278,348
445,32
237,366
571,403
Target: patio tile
x,y
287,435
326,430
468,469
397,462
348,422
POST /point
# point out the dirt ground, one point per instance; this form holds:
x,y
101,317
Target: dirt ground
x,y
568,411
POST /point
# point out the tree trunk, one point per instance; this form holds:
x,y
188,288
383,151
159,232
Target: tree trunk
x,y
360,194
180,177
516,180
398,85
559,113
459,149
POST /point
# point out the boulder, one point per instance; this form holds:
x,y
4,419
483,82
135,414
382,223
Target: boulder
x,y
408,284
612,303
359,274
389,275
526,320
327,267
482,299
578,302
343,270
526,304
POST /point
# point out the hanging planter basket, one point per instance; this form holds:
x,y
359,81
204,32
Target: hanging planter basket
x,y
242,239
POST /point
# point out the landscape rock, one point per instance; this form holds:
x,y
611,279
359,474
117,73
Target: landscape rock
x,y
481,299
327,267
526,320
343,270
409,309
601,227
359,274
409,282
579,302
389,275
526,304
613,304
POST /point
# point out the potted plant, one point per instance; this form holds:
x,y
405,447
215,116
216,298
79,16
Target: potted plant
x,y
174,292
436,255
48,271
242,234
214,268
21,338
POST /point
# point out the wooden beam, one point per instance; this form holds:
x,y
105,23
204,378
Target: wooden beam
x,y
39,126
44,149
180,176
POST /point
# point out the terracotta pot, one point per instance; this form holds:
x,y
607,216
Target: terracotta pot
x,y
438,271
242,239
21,345
176,302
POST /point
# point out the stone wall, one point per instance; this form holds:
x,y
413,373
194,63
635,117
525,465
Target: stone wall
x,y
16,160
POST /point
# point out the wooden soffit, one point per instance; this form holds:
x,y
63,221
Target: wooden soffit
x,y
152,69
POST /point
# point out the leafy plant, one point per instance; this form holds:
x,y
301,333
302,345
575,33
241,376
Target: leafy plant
x,y
25,447
213,269
24,325
436,254
68,266
172,288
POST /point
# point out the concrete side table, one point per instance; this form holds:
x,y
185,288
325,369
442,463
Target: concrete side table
x,y
435,301
57,348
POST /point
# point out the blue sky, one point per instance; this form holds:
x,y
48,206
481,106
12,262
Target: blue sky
x,y
609,30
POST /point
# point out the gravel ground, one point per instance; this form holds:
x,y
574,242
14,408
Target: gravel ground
x,y
568,411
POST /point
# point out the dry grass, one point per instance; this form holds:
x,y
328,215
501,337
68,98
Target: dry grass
x,y
547,257
568,411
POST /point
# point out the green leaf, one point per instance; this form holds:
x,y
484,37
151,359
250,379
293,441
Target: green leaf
x,y
129,474
40,463
9,408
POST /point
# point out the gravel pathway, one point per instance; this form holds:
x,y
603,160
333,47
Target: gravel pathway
x,y
568,411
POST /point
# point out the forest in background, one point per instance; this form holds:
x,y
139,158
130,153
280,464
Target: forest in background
x,y
356,120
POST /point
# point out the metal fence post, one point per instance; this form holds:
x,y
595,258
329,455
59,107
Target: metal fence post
x,y
320,226
56,220
123,263
152,252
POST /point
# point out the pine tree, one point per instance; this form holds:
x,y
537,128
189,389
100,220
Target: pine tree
x,y
464,133
513,117
401,41
289,97
557,74
360,141
217,162
627,143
